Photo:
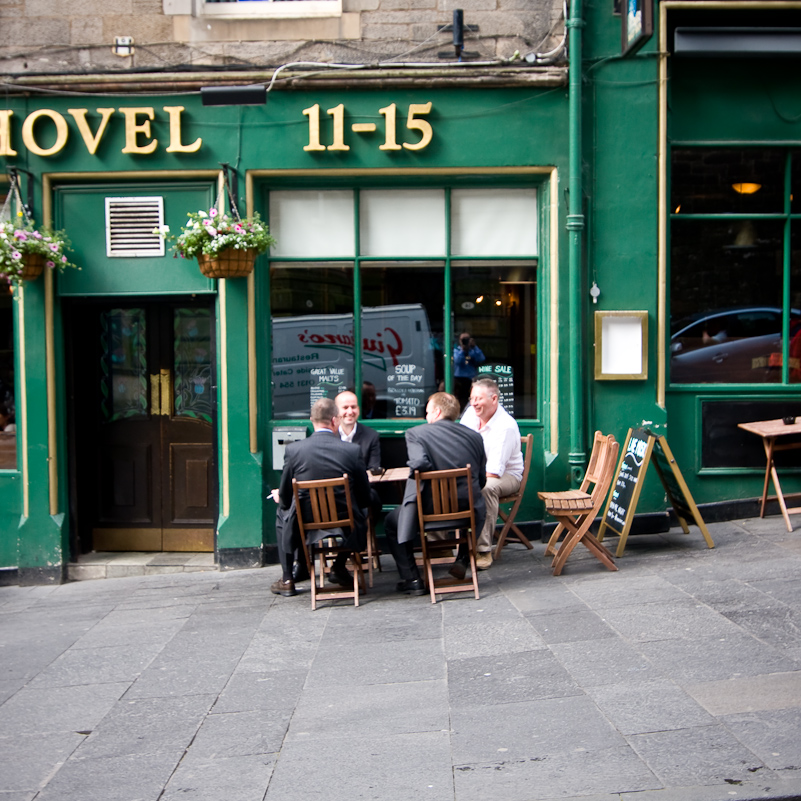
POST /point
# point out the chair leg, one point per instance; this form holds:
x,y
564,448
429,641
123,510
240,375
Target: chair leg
x,y
570,542
598,551
550,547
509,524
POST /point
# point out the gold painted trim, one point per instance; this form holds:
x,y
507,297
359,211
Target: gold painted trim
x,y
339,173
553,445
253,409
600,316
23,398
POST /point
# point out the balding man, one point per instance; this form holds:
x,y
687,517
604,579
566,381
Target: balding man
x,y
322,455
504,456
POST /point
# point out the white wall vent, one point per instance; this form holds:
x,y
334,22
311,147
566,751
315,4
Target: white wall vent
x,y
130,222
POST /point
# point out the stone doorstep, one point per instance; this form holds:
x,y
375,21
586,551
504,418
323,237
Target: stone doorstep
x,y
101,565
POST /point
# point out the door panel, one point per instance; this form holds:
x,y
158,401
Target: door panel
x,y
144,394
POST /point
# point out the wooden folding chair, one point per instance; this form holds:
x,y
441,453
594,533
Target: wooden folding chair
x,y
325,517
575,510
510,530
448,517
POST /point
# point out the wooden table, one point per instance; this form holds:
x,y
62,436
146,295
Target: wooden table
x,y
390,474
770,431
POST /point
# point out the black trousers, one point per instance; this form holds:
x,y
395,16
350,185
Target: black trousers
x,y
402,552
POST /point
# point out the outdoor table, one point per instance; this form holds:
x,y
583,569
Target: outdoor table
x,y
390,474
770,431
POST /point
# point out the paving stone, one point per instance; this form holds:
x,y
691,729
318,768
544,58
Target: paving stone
x,y
58,709
596,662
576,626
778,625
112,779
715,658
702,755
620,589
147,726
611,770
382,709
537,600
383,623
239,778
771,735
269,652
274,689
98,665
505,636
239,733
649,706
29,760
507,678
405,767
748,694
378,663
508,732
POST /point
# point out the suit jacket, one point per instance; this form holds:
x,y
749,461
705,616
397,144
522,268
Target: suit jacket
x,y
369,444
323,455
443,445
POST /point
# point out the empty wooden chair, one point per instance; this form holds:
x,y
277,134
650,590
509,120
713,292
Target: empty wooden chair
x,y
318,535
510,530
575,510
448,515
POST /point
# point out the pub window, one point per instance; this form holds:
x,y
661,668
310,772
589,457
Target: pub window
x,y
398,275
257,9
735,266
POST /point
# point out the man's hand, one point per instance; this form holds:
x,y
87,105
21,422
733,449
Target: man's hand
x,y
274,495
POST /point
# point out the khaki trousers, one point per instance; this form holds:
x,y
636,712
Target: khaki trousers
x,y
493,491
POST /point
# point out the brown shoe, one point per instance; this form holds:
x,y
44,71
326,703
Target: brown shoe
x,y
285,588
458,569
484,560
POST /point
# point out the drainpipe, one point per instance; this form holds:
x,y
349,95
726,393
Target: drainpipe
x,y
577,456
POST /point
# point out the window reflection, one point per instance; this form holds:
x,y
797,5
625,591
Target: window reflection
x,y
402,359
726,301
312,335
495,308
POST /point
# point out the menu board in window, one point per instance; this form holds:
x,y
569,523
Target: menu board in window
x,y
328,382
503,376
406,389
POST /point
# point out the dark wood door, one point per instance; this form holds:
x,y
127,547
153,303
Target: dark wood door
x,y
146,396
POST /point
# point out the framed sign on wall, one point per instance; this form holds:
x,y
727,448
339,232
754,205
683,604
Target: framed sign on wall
x,y
621,345
637,24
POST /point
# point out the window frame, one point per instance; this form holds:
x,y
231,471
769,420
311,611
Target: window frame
x,y
270,9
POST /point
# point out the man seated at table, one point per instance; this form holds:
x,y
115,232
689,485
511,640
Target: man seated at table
x,y
504,456
322,455
440,444
366,438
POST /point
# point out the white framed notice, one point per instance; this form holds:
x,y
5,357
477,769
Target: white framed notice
x,y
621,345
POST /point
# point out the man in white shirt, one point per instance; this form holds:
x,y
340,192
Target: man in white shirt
x,y
504,456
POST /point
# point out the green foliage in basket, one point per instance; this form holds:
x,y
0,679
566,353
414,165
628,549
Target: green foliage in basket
x,y
20,238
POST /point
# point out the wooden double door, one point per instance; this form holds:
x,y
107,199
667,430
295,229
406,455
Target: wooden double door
x,y
142,406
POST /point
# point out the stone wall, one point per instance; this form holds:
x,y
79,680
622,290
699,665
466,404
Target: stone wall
x,y
63,36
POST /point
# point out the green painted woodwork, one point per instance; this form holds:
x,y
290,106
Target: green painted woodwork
x,y
81,211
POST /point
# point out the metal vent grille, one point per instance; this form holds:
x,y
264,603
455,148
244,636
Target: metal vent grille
x,y
130,222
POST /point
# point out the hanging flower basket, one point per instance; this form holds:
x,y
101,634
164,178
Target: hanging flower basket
x,y
230,263
32,267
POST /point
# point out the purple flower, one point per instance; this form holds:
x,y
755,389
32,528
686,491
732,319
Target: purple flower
x,y
21,235
50,264
53,246
212,231
15,254
212,213
36,235
64,259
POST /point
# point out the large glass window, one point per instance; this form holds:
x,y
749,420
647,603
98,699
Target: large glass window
x,y
380,319
735,299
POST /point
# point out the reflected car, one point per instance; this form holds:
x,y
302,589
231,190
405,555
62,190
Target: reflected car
x,y
731,346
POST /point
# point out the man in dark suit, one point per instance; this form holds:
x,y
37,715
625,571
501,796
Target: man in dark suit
x,y
366,438
322,455
441,444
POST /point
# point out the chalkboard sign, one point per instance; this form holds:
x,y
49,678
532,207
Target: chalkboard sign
x,y
329,381
406,387
641,444
503,376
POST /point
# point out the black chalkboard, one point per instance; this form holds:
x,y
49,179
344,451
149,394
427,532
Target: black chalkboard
x,y
618,515
626,489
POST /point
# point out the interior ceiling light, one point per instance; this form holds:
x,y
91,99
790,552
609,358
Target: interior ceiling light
x,y
479,298
746,188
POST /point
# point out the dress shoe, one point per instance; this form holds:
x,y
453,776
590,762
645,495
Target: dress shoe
x,y
484,560
340,575
459,569
285,588
300,572
412,587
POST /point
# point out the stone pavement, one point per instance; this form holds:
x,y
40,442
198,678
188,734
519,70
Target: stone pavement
x,y
678,677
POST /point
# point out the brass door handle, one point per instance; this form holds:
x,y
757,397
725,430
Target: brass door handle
x,y
161,393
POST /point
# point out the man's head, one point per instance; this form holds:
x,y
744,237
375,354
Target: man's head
x,y
324,414
348,407
464,339
484,398
441,406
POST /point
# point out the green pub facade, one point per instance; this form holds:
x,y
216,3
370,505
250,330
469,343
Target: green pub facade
x,y
593,225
